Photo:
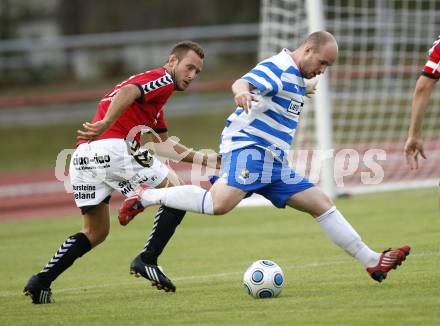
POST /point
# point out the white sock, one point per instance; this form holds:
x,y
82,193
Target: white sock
x,y
187,198
342,233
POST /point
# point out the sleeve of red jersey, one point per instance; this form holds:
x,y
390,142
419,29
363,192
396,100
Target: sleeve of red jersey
x,y
161,125
158,94
432,66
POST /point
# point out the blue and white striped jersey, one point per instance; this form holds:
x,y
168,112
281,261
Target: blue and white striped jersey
x,y
272,120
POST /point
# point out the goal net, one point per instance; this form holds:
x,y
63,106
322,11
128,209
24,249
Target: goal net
x,y
383,46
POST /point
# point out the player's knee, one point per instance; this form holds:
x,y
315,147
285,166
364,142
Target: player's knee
x,y
323,204
221,208
328,202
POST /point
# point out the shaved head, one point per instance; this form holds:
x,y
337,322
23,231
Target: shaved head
x,y
318,51
319,39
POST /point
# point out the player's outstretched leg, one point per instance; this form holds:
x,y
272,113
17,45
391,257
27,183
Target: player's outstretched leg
x,y
389,259
153,273
39,293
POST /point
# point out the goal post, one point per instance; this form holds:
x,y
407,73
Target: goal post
x,y
363,105
322,104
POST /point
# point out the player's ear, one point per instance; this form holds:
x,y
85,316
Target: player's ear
x,y
308,49
173,60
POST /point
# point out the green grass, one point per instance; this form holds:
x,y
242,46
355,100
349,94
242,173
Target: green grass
x,y
31,148
208,255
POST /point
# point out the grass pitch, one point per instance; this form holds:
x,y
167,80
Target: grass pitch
x,y
206,260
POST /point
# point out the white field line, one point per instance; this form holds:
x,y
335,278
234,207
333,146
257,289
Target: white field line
x,y
32,188
205,276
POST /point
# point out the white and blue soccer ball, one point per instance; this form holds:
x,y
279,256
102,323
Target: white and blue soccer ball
x,y
263,279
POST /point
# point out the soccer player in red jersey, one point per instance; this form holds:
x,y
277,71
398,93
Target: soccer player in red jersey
x,y
422,93
109,157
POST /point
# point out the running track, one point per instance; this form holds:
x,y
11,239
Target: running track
x,y
37,194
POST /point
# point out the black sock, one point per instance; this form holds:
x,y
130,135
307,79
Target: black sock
x,y
165,223
74,247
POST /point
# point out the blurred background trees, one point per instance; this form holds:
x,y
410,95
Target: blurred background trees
x,y
83,16
59,57
62,40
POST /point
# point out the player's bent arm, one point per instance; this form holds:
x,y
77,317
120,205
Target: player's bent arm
x,y
168,147
422,94
120,102
241,86
125,97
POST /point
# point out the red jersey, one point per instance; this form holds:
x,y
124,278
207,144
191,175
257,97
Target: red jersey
x,y
432,66
156,86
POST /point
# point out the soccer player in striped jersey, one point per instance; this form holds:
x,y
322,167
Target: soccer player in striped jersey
x,y
422,93
254,146
105,161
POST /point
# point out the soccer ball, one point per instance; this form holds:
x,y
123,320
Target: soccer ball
x,y
263,279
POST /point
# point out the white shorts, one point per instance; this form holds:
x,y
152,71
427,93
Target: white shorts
x,y
99,167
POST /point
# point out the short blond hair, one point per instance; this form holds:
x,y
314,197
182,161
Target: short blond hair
x,y
181,48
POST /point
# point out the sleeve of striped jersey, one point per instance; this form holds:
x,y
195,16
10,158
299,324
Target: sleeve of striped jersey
x,y
432,66
263,78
